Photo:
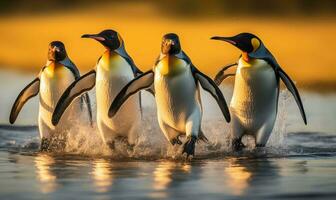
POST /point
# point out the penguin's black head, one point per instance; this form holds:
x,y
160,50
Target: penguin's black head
x,y
246,42
56,51
170,44
109,38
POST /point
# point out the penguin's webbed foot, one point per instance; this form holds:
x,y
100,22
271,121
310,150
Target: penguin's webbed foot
x,y
237,145
120,140
111,145
202,138
175,140
189,146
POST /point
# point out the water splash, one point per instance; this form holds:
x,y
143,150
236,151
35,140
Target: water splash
x,y
278,136
151,144
84,140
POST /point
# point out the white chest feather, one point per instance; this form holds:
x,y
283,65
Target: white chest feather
x,y
176,93
55,78
255,91
113,73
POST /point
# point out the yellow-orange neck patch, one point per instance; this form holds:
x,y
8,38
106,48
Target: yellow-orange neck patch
x,y
170,65
51,68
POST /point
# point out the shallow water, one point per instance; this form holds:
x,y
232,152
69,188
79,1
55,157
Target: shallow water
x,y
299,161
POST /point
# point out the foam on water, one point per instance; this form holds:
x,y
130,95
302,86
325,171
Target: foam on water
x,y
84,140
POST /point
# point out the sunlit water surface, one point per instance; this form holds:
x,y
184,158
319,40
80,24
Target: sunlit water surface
x,y
299,161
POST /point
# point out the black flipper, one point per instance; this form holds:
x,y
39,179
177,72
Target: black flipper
x,y
220,76
81,85
263,53
88,105
291,87
143,81
140,102
31,90
211,87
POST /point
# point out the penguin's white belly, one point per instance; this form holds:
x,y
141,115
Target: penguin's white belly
x,y
112,75
54,81
255,94
176,98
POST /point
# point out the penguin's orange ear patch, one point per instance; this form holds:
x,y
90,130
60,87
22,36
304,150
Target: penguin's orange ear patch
x,y
255,43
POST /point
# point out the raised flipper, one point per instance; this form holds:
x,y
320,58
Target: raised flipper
x,y
211,87
143,81
220,76
31,90
78,87
291,87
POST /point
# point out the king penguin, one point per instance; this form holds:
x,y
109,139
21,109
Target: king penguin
x,y
114,69
176,86
58,73
254,104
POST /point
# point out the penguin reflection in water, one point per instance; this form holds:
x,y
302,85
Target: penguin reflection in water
x,y
114,69
176,86
254,103
58,73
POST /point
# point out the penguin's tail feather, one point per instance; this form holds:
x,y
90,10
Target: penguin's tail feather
x,y
221,76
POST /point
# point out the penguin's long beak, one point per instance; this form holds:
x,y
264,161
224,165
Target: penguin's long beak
x,y
226,39
237,42
94,36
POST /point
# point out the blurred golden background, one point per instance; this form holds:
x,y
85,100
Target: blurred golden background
x,y
300,33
